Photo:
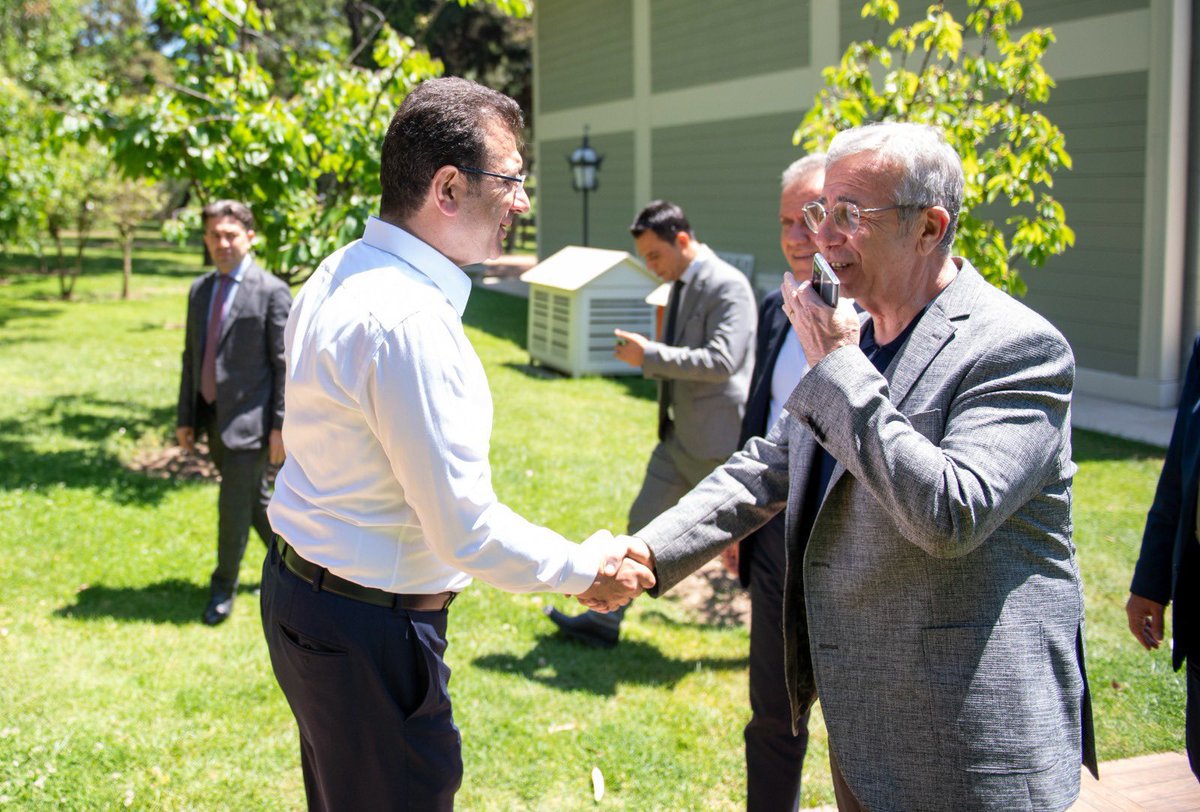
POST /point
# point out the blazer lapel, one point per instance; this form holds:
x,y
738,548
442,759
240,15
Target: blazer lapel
x,y
692,293
928,338
932,332
247,291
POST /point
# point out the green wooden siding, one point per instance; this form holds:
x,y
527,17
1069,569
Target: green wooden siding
x,y
725,175
696,42
585,52
610,208
1093,291
1042,12
1191,291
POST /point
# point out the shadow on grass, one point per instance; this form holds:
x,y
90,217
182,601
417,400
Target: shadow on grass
x,y
1091,446
497,314
569,666
92,467
172,601
101,259
11,310
635,385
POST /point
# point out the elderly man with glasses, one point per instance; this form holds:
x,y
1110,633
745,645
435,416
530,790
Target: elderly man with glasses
x,y
924,464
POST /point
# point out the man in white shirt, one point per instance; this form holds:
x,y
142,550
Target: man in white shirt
x,y
384,509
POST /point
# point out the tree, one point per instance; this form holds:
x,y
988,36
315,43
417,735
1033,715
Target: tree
x,y
307,163
53,175
129,203
987,103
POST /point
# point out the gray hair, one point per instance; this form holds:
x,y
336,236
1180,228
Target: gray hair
x,y
932,171
802,168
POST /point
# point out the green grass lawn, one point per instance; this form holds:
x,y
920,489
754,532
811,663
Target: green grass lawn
x,y
113,694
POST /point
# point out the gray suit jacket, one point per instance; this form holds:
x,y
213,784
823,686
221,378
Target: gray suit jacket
x,y
710,361
250,358
945,609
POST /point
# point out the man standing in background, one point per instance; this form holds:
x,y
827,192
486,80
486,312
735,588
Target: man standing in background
x,y
702,366
1168,567
231,387
774,753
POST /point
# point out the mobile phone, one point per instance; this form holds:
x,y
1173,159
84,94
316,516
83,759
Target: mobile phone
x,y
825,281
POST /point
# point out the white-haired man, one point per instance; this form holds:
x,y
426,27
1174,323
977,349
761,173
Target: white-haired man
x,y
925,465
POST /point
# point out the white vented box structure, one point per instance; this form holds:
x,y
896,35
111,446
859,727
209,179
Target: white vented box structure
x,y
577,297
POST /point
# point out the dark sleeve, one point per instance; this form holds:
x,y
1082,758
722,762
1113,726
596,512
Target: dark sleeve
x,y
754,419
279,304
1152,573
185,411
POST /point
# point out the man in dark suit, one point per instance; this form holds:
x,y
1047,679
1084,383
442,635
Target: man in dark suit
x,y
774,754
1166,570
702,366
231,387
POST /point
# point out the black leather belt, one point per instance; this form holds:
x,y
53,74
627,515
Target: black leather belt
x,y
323,579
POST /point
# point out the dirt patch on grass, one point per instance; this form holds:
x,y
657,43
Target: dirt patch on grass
x,y
713,596
173,462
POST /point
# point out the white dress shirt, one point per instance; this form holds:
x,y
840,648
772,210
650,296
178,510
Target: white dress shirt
x,y
790,366
389,418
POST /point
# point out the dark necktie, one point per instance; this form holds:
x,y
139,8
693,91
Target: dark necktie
x,y
208,364
664,389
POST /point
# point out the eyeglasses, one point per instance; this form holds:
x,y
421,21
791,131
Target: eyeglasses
x,y
517,179
846,215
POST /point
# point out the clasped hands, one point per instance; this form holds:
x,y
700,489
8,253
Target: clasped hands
x,y
626,571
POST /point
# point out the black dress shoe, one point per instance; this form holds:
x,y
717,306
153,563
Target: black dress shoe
x,y
218,611
584,628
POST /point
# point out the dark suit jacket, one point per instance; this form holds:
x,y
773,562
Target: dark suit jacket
x,y
1166,567
250,358
772,330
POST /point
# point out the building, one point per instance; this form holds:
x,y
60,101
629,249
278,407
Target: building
x,y
697,100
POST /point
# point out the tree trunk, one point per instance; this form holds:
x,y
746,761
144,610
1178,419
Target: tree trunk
x,y
127,262
64,289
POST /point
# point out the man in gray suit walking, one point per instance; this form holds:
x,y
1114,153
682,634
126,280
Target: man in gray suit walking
x,y
924,464
231,386
702,365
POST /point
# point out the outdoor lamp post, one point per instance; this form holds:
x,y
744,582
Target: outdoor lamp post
x,y
584,163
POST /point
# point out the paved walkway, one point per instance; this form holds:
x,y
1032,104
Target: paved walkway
x,y
1158,783
1162,782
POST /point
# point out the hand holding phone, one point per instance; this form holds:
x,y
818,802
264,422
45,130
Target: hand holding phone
x,y
825,281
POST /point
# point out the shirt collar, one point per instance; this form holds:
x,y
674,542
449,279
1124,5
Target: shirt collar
x,y
239,273
702,255
422,257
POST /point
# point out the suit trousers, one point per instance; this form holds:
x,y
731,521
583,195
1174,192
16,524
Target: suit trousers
x,y
774,756
670,474
369,688
241,502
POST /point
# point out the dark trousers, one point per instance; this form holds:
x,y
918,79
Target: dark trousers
x,y
773,755
846,800
241,502
1192,717
369,690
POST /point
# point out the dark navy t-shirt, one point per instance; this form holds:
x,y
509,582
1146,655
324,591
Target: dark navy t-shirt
x,y
822,465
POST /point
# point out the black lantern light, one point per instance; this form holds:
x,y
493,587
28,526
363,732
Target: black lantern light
x,y
584,163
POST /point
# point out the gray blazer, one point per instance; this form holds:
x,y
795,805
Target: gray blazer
x,y
250,358
711,360
944,605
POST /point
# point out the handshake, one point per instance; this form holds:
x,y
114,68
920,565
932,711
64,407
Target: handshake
x,y
625,571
